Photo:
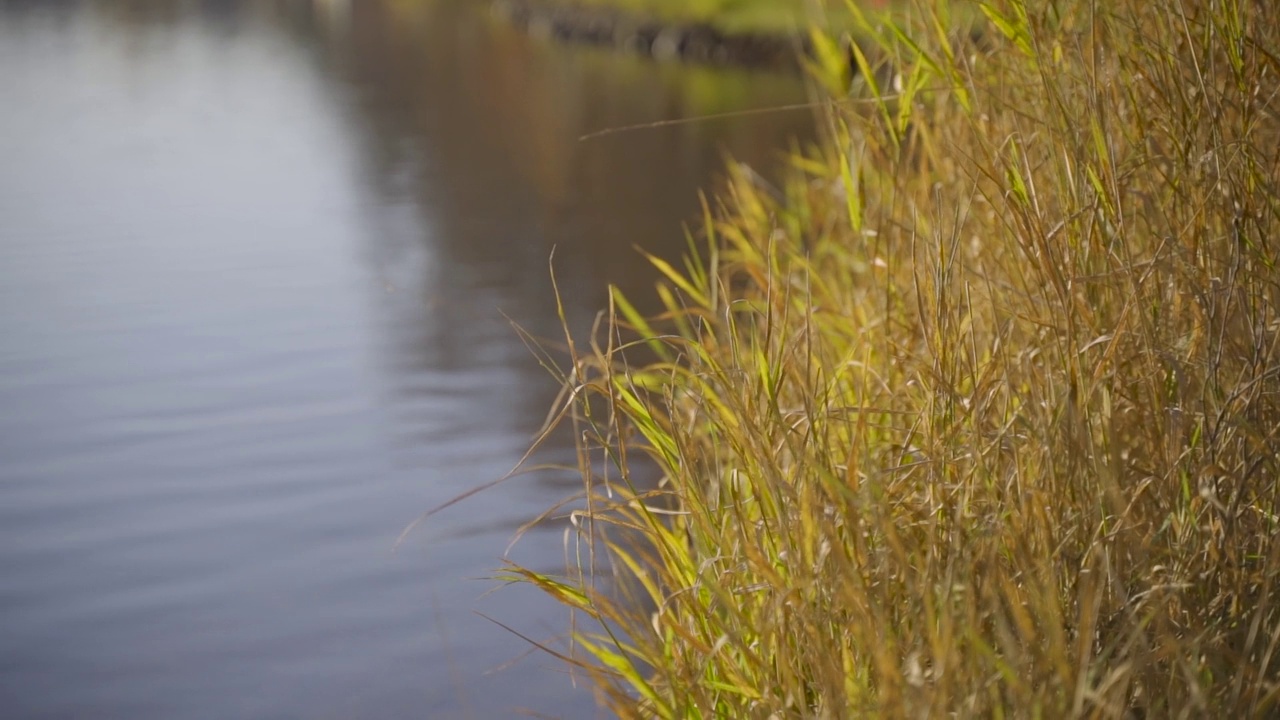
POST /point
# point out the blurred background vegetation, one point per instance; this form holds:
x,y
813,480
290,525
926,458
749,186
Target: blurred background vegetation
x,y
783,16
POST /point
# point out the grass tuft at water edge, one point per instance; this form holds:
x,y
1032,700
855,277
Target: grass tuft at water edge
x,y
978,415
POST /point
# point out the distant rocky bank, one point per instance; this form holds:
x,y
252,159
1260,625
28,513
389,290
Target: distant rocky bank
x,y
692,42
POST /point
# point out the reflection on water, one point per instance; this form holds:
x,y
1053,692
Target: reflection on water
x,y
258,265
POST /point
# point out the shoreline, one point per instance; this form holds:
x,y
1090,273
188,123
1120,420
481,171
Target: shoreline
x,y
696,42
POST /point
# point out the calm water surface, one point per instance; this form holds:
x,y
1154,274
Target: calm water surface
x,y
258,265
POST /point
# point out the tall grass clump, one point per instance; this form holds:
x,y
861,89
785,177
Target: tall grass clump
x,y
979,414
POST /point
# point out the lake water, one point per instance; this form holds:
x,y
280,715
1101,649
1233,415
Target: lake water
x,y
259,265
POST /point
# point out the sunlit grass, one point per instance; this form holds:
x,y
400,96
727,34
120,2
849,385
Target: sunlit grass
x,y
979,415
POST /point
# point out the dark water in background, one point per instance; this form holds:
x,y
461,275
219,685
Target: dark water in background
x,y
254,264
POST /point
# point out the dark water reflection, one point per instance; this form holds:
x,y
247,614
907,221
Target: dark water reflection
x,y
257,261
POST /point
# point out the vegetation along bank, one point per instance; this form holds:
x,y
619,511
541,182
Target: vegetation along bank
x,y
645,35
750,33
980,415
